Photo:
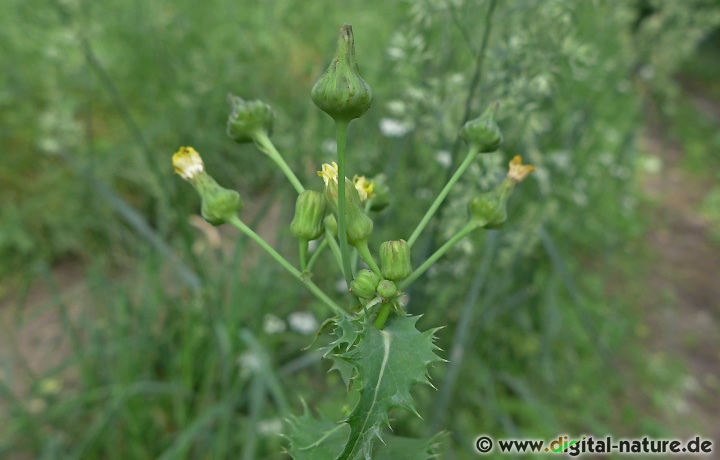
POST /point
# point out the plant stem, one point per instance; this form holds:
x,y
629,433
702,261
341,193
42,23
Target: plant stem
x,y
237,223
341,138
382,316
441,197
265,144
439,253
303,245
364,252
334,248
316,254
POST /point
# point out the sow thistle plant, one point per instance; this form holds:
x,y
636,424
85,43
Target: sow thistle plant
x,y
375,344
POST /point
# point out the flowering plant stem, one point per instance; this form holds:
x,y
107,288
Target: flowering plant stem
x,y
334,248
265,144
237,223
313,258
303,245
441,197
341,138
466,230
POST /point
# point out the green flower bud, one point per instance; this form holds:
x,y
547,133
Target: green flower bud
x,y
331,224
482,133
219,204
248,118
359,224
381,193
387,289
364,284
490,208
395,260
307,225
341,92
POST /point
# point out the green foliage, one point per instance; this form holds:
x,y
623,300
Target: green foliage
x,y
159,372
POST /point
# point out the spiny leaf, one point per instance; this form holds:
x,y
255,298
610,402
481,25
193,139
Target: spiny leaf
x,y
388,363
347,332
315,439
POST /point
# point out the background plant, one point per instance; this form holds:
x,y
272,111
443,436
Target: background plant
x,y
532,349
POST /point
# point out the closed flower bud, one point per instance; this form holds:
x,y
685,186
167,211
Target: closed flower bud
x,y
341,92
381,193
307,225
489,209
482,133
219,204
387,289
247,118
395,260
359,224
365,284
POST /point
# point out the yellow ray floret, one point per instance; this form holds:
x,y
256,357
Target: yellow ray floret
x,y
329,173
364,187
187,163
518,171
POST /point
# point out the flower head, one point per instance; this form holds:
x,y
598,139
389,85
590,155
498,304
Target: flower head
x,y
364,187
329,173
518,171
187,163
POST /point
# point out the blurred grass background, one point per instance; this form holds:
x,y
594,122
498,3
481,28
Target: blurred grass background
x,y
131,331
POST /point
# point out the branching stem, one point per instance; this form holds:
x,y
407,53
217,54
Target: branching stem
x,y
265,144
237,223
440,252
441,197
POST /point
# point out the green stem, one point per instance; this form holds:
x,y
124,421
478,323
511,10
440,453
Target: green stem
x,y
303,246
341,138
382,316
439,253
334,247
443,194
364,251
266,145
317,253
237,223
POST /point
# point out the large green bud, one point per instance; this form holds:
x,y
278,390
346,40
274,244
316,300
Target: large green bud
x,y
489,209
341,92
395,260
307,225
364,284
219,205
247,118
482,133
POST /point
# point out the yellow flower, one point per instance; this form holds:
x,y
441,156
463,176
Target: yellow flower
x,y
518,171
187,163
364,187
329,173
